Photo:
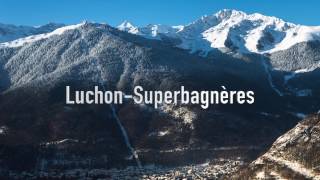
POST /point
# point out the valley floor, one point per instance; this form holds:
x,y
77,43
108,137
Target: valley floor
x,y
211,170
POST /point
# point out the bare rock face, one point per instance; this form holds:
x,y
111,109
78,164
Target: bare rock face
x,y
294,155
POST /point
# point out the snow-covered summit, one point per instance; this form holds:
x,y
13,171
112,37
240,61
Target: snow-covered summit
x,y
256,32
127,26
152,31
234,30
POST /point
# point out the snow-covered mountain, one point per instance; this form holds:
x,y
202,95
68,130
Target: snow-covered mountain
x,y
10,32
236,30
292,48
224,30
34,71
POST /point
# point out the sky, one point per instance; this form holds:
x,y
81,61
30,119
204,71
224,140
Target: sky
x,y
143,12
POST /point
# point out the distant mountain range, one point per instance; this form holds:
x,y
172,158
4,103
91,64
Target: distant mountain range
x,y
12,32
246,33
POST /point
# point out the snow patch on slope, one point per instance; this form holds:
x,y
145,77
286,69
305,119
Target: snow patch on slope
x,y
297,34
179,112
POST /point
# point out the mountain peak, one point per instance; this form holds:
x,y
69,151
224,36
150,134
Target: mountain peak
x,y
232,14
129,27
126,25
229,13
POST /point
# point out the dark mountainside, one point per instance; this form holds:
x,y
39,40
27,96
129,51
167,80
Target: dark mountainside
x,y
43,134
294,155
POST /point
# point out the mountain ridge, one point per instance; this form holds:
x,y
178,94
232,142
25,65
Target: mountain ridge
x,y
226,29
246,33
9,32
